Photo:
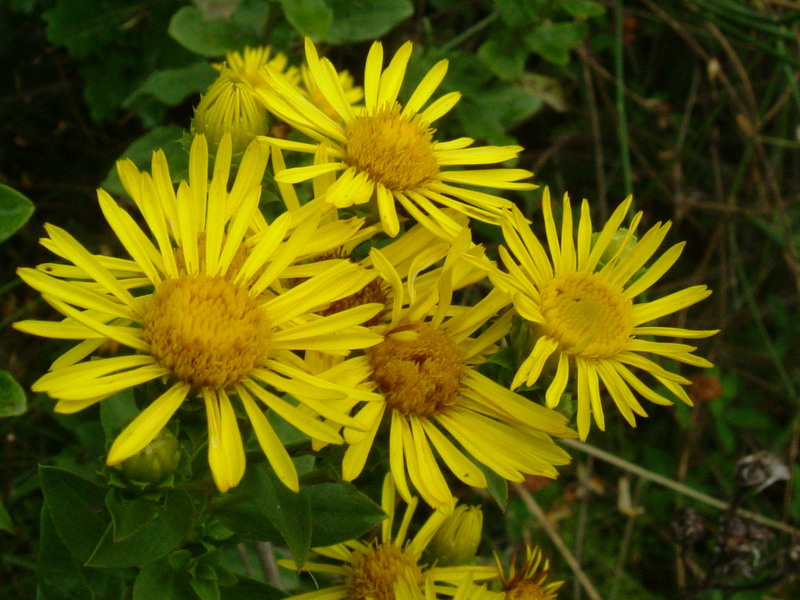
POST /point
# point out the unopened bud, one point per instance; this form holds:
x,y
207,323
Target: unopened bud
x,y
156,461
457,539
230,106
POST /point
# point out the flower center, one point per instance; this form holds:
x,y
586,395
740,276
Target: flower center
x,y
392,149
206,330
419,376
588,317
376,570
527,590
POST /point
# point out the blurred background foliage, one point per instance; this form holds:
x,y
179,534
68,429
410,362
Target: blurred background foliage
x,y
694,105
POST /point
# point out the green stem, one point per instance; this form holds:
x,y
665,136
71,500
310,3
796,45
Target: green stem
x,y
622,119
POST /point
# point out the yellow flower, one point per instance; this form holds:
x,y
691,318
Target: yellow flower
x,y
431,392
389,567
201,306
229,107
529,582
387,151
584,312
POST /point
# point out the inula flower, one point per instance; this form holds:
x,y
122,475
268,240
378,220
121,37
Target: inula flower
x,y
432,394
389,567
583,311
200,305
387,152
527,582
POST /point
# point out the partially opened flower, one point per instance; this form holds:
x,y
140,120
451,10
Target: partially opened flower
x,y
390,567
432,394
252,61
229,107
386,153
201,306
527,580
581,306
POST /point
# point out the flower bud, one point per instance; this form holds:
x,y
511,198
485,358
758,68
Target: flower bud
x,y
230,106
457,539
156,461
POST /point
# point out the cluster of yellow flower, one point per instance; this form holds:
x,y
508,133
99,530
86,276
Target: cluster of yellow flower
x,y
221,305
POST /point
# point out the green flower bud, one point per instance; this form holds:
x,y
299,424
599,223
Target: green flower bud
x,y
156,461
457,539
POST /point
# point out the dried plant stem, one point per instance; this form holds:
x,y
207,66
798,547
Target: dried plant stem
x,y
551,532
675,485
268,564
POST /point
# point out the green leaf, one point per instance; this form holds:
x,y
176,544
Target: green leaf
x,y
487,116
159,531
15,210
116,412
214,38
504,53
251,589
339,512
261,505
553,41
172,86
85,26
310,18
5,520
549,89
583,9
59,576
360,20
12,397
141,152
77,507
159,580
206,589
496,485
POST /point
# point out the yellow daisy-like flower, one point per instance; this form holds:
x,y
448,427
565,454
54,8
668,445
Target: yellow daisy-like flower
x,y
432,393
528,583
584,313
389,567
230,107
201,306
387,151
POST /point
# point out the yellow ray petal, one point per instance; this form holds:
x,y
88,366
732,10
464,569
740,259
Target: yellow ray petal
x,y
147,425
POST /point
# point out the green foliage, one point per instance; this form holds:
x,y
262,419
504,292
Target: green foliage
x,y
360,20
339,512
311,18
214,37
6,524
12,397
15,210
262,508
714,150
